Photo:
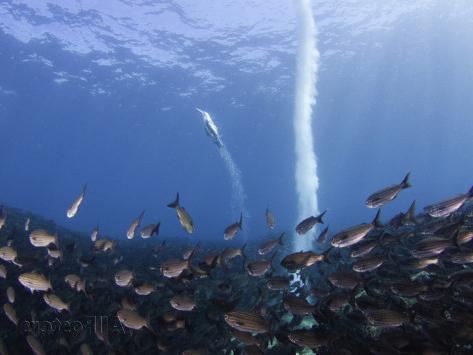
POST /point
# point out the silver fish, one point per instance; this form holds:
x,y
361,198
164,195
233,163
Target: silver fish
x,y
233,229
380,198
266,247
354,234
308,223
149,230
74,208
130,234
446,208
184,218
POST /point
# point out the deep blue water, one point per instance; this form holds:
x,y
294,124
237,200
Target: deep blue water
x,y
394,95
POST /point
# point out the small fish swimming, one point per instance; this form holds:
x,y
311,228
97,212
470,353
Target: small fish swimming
x,y
132,320
11,294
34,281
380,198
27,224
8,254
270,220
249,322
124,278
55,302
184,218
446,208
42,238
182,303
74,208
150,230
130,234
308,223
233,229
95,233
175,267
300,260
266,247
354,234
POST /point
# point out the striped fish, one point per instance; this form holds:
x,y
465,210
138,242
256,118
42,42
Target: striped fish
x,y
446,208
354,234
298,306
344,279
363,249
419,264
8,253
464,257
55,302
34,281
380,198
309,338
42,238
368,264
386,318
430,247
408,288
249,322
464,236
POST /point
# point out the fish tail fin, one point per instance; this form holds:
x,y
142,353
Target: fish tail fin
x,y
280,239
319,217
175,203
470,192
376,222
241,220
140,217
200,110
405,182
410,214
327,254
156,229
84,188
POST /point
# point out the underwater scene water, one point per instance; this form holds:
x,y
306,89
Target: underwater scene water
x,y
236,177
